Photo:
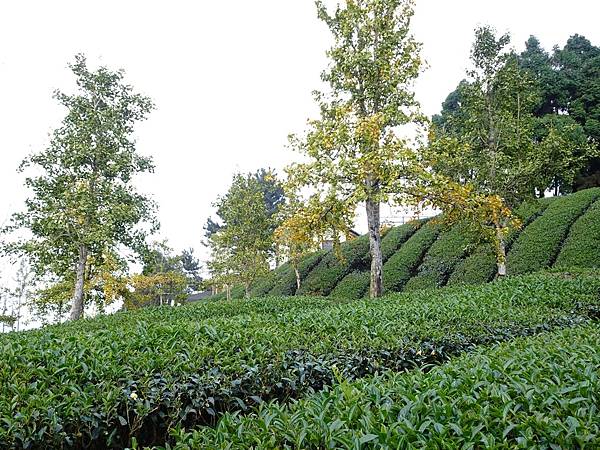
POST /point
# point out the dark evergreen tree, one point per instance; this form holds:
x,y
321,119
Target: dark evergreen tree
x,y
578,66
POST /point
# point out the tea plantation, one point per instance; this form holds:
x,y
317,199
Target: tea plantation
x,y
143,377
513,363
538,392
557,232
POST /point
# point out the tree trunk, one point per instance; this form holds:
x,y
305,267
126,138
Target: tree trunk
x,y
501,257
373,217
228,292
19,311
77,306
4,309
297,278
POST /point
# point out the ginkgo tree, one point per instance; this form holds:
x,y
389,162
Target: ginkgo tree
x,y
303,226
487,154
353,154
84,210
487,215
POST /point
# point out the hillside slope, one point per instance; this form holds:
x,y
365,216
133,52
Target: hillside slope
x,y
100,383
560,231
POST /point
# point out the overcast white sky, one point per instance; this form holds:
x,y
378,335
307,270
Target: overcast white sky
x,y
231,79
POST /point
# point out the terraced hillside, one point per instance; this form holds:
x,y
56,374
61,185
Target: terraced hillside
x,y
557,232
337,370
138,377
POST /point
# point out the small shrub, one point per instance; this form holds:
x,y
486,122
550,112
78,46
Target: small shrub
x,y
442,257
397,236
286,283
480,266
264,285
354,286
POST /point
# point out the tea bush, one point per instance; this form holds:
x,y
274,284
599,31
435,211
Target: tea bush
x,y
452,259
540,392
480,265
99,383
539,244
582,247
354,286
442,257
403,264
396,236
286,283
331,269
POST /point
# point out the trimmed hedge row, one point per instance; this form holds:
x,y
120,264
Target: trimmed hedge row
x,y
264,285
356,284
330,270
100,383
540,392
582,247
397,236
280,281
480,265
403,264
411,252
286,283
539,244
442,257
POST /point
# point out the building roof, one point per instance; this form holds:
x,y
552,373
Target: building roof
x,y
199,296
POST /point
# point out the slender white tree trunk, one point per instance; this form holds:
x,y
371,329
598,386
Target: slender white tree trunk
x,y
4,308
297,278
77,306
19,301
373,219
501,257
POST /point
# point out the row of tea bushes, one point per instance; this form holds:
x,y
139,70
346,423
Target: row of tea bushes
x,y
98,384
287,283
539,244
356,284
396,236
403,264
418,256
442,257
582,248
333,267
539,392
